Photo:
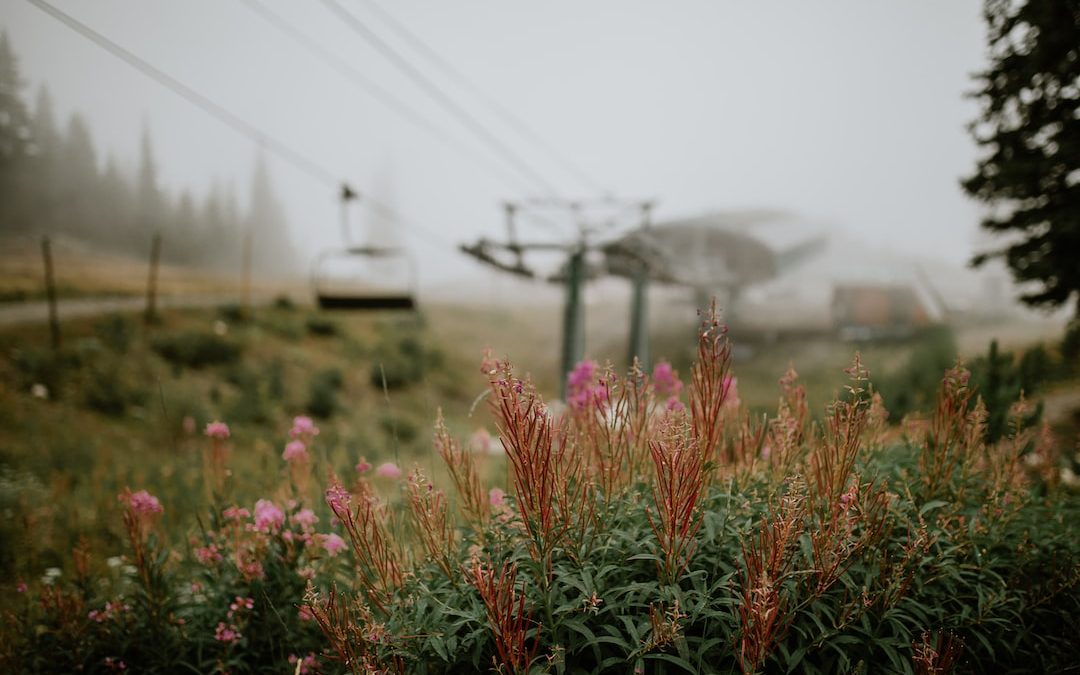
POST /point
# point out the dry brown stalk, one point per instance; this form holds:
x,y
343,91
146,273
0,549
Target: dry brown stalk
x,y
710,382
677,486
614,435
954,433
938,656
431,518
507,615
351,631
768,560
378,554
552,493
462,468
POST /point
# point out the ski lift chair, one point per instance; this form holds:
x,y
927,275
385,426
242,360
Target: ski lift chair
x,y
365,278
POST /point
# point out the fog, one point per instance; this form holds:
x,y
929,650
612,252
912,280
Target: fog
x,y
848,113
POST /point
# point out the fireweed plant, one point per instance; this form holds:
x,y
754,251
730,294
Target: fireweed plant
x,y
644,527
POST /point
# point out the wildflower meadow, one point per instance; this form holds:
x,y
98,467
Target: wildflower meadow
x,y
649,524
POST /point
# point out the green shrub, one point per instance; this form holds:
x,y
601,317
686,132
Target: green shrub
x,y
115,332
323,393
107,391
322,326
195,349
401,361
913,385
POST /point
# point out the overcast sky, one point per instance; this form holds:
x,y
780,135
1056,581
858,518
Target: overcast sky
x,y
851,113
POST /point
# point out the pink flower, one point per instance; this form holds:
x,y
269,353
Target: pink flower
x,y
388,470
302,427
305,518
208,555
675,405
496,496
363,466
240,605
228,634
21,587
236,514
217,430
305,613
665,380
584,386
480,442
333,544
295,451
142,503
268,517
338,498
308,665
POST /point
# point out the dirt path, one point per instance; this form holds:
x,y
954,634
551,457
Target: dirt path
x,y
38,311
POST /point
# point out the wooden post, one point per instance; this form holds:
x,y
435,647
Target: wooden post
x,y
50,292
245,301
151,281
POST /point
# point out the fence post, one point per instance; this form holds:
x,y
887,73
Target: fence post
x,y
151,282
50,292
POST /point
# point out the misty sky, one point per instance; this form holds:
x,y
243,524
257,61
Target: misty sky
x,y
850,113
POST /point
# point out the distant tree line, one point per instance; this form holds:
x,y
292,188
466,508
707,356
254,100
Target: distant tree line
x,y
52,181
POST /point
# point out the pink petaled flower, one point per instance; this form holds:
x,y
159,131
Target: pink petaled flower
x,y
665,380
338,498
302,427
217,430
363,466
388,470
97,616
114,664
21,587
236,514
295,451
228,634
208,555
675,405
584,386
142,503
240,604
251,569
496,496
305,518
308,665
333,544
480,442
305,613
306,573
268,517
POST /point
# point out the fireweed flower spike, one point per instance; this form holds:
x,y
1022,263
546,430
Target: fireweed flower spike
x,y
215,459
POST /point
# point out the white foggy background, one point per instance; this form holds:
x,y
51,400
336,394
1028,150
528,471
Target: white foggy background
x,y
850,114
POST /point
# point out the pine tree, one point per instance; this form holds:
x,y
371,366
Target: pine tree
x,y
16,147
77,180
149,200
1029,130
271,248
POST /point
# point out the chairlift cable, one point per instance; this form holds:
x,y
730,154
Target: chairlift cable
x,y
470,122
282,150
372,88
505,114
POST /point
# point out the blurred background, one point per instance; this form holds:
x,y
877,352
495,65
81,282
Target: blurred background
x,y
250,209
